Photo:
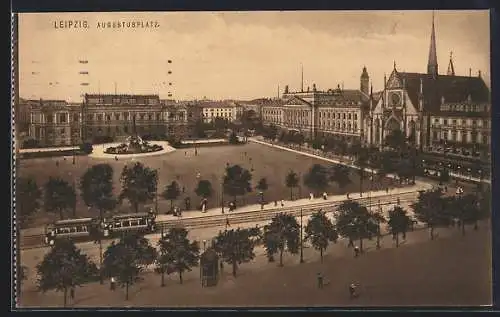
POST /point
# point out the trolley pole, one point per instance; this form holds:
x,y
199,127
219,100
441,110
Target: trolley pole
x,y
301,239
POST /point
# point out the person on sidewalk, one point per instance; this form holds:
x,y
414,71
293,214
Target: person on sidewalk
x,y
352,291
325,196
282,203
227,222
320,280
356,251
72,294
311,196
112,283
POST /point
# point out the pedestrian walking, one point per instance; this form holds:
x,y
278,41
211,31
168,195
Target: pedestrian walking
x,y
275,203
311,196
319,277
112,283
227,222
387,189
72,294
347,195
352,291
282,203
221,267
325,196
356,251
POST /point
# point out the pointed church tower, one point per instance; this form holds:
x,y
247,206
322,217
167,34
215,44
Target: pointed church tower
x,y
432,64
451,68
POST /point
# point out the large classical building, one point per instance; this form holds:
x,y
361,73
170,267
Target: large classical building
x,y
314,113
109,117
227,110
432,108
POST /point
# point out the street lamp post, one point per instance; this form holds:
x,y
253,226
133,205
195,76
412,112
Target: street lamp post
x,y
301,239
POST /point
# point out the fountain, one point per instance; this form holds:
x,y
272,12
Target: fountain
x,y
133,145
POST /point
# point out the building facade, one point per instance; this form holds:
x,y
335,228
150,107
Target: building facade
x,y
227,110
336,112
103,118
431,108
56,123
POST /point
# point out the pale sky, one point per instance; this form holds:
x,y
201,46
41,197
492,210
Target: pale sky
x,y
240,55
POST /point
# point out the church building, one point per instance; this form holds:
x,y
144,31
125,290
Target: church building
x,y
431,108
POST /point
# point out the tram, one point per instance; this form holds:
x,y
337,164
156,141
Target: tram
x,y
86,229
137,222
77,229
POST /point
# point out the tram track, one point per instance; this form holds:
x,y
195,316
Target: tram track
x,y
210,221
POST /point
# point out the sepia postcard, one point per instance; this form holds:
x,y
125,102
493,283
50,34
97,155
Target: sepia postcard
x,y
252,159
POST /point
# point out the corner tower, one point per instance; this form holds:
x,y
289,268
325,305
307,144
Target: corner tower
x,y
364,82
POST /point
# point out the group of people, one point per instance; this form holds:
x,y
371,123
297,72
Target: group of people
x,y
353,287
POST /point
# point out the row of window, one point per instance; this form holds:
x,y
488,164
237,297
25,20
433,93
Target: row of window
x,y
453,136
462,122
337,125
465,108
338,115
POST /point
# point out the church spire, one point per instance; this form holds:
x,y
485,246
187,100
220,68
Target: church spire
x,y
432,64
451,68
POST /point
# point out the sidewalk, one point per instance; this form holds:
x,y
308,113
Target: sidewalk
x,y
338,160
49,149
295,203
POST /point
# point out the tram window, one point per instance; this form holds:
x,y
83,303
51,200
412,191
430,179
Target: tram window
x,y
142,222
73,229
134,223
118,224
126,223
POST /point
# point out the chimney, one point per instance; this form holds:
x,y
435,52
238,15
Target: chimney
x,y
470,72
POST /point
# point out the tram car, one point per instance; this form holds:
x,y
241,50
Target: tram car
x,y
77,229
136,222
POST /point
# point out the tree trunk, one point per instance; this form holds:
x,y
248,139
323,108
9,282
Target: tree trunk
x,y
235,267
65,296
61,214
321,254
432,232
101,280
291,193
180,276
463,227
163,277
475,225
100,234
361,245
74,211
171,204
136,207
281,257
378,237
397,240
126,291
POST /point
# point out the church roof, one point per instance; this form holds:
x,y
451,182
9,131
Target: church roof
x,y
454,89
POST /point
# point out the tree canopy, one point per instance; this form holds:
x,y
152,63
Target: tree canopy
x,y
237,181
177,253
282,234
59,196
291,181
320,231
317,178
27,199
139,184
64,267
235,246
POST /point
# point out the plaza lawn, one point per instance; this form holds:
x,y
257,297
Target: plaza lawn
x,y
183,166
452,270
